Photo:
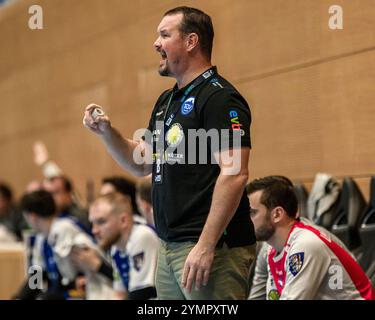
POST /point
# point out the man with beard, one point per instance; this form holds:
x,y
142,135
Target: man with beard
x,y
304,262
260,276
134,246
61,189
200,206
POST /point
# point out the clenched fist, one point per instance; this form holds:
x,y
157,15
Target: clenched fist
x,y
95,119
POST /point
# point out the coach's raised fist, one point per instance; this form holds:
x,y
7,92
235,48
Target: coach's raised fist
x,y
95,119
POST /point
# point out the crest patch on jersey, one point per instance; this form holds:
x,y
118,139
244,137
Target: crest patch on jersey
x,y
273,295
138,260
296,262
188,106
174,135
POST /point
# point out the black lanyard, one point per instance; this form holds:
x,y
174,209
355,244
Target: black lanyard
x,y
158,167
197,82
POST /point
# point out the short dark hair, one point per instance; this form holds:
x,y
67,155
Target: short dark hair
x,y
39,202
67,183
277,191
124,186
144,188
196,21
6,192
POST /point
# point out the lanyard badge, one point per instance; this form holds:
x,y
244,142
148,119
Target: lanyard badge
x,y
158,174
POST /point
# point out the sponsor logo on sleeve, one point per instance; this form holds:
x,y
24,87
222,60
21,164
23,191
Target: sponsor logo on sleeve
x,y
138,260
234,119
296,262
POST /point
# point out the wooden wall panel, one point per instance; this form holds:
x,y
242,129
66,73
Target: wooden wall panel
x,y
268,37
315,118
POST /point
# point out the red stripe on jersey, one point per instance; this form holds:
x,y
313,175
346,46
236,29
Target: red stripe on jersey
x,y
356,274
278,268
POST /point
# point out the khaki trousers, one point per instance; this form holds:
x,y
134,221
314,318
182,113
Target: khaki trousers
x,y
229,277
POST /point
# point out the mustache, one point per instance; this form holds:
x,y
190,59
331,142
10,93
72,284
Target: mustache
x,y
162,53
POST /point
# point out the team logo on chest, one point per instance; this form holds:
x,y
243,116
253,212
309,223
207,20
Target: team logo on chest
x,y
174,135
188,106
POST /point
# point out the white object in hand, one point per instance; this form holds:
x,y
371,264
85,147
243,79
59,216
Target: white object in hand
x,y
97,112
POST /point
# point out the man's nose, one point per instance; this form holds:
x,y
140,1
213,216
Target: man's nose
x,y
157,43
95,230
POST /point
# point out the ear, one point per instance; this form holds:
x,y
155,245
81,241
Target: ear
x,y
277,214
32,219
124,219
32,216
192,41
145,204
148,205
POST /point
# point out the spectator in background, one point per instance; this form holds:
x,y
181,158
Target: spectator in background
x,y
143,198
34,185
119,184
61,189
59,185
133,246
89,257
124,186
41,158
52,171
57,237
10,217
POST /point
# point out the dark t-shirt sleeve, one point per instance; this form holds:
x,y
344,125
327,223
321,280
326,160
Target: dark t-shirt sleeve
x,y
151,122
147,136
227,109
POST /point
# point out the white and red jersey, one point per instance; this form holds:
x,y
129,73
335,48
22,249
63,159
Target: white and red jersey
x,y
312,266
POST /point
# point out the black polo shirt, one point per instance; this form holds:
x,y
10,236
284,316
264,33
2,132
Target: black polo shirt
x,y
184,174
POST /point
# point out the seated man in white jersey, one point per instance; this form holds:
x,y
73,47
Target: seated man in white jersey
x,y
259,280
258,289
52,252
134,246
303,262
